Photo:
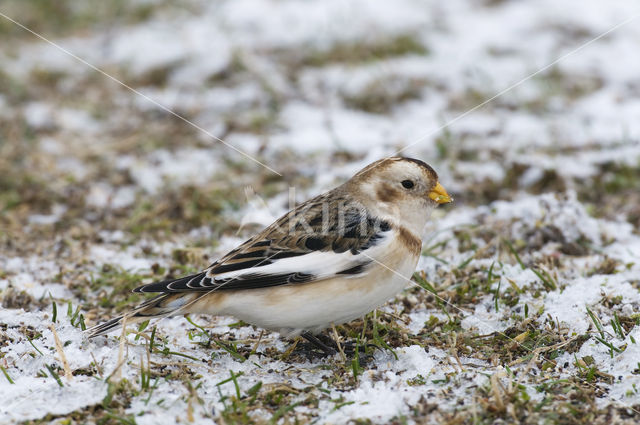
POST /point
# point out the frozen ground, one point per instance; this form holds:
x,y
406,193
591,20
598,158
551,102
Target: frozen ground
x,y
526,301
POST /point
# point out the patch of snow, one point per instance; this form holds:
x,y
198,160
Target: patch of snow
x,y
123,258
185,166
39,115
103,195
48,219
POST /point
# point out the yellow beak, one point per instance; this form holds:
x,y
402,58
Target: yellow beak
x,y
440,195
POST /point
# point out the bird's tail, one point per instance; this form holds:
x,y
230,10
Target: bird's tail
x,y
161,306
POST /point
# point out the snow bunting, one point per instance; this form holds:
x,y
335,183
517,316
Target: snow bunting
x,y
330,260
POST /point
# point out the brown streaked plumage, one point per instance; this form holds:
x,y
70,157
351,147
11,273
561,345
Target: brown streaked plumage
x,y
330,260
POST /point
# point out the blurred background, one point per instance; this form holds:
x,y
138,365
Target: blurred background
x,y
313,90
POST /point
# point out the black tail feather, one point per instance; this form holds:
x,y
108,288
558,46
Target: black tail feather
x,y
157,307
105,327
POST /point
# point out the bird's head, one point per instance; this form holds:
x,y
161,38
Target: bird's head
x,y
403,190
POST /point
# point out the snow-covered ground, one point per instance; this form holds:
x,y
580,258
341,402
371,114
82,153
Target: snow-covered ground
x,y
527,300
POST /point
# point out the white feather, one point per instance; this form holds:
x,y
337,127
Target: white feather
x,y
321,264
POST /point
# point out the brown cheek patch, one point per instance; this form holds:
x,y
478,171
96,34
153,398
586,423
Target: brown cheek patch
x,y
409,240
386,193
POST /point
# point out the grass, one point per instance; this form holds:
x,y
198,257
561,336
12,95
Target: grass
x,y
239,407
179,209
71,17
6,375
115,285
363,52
516,345
382,95
54,375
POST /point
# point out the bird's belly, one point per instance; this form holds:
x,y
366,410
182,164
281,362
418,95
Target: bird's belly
x,y
292,309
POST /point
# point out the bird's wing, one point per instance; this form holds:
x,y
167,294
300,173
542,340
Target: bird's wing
x,y
318,240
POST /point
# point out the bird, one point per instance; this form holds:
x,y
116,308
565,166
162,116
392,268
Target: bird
x,y
328,261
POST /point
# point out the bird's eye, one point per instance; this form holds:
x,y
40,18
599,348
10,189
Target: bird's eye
x,y
407,184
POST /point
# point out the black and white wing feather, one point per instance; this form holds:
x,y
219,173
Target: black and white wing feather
x,y
317,240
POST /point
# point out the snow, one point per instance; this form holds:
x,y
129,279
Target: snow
x,y
48,219
386,398
186,166
103,195
570,306
123,258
